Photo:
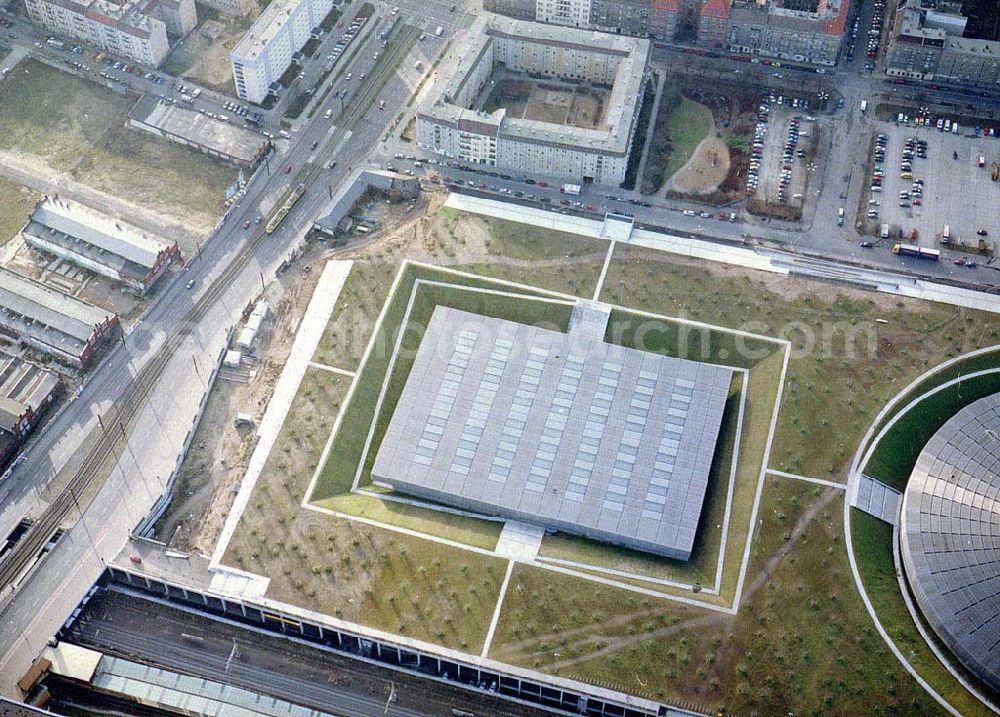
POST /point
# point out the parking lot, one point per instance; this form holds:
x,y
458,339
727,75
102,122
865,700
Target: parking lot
x,y
956,191
787,151
782,154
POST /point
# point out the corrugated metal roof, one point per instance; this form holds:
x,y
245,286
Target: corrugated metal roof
x,y
62,312
99,230
189,694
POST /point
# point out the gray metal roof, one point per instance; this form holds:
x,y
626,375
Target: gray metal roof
x,y
40,304
562,430
26,382
186,694
950,536
99,230
231,140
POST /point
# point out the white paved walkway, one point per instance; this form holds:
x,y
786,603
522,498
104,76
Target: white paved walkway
x,y
520,541
496,611
307,339
878,499
809,479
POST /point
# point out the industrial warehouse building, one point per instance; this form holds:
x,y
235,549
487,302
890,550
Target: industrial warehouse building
x,y
214,137
948,536
562,430
62,326
98,243
457,126
26,392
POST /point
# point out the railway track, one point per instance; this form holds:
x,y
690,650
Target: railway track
x,y
321,680
123,411
127,406
399,46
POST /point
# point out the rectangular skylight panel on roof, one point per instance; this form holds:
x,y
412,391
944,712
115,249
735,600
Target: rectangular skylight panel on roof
x,y
625,457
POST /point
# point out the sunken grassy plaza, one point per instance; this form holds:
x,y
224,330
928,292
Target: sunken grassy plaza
x,y
765,614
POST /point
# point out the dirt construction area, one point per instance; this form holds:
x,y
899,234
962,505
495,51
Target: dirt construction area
x,y
203,56
219,451
65,134
705,171
565,104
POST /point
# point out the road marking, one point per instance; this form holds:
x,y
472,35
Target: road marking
x,y
808,479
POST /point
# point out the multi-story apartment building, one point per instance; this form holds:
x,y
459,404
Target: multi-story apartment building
x,y
809,31
265,52
180,16
928,43
236,8
629,17
136,31
664,17
455,126
573,13
121,30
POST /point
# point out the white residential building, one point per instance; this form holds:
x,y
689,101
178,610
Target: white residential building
x,y
265,52
135,31
574,13
454,125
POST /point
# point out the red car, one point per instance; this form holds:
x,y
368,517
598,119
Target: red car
x,y
542,184
246,224
288,169
591,208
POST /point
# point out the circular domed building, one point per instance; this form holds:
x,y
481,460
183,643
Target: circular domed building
x,y
950,536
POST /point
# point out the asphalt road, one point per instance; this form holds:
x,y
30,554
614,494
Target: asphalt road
x,y
44,600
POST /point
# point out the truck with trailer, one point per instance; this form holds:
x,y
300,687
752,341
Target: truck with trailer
x,y
918,252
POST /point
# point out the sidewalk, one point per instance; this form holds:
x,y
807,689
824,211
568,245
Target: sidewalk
x,y
770,260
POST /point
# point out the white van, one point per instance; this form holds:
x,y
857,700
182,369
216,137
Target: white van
x,y
285,134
